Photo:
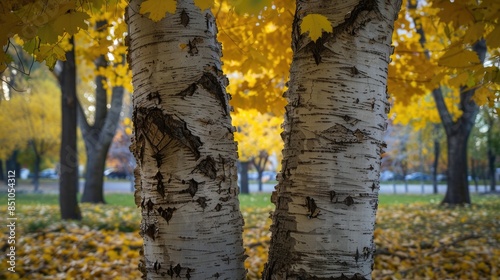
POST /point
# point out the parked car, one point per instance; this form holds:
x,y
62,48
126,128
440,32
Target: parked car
x,y
268,176
117,174
49,173
386,175
253,176
417,176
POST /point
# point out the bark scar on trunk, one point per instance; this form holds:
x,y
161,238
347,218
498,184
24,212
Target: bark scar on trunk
x,y
155,125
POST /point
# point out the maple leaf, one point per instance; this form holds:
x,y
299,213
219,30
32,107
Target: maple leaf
x,y
315,24
71,22
458,57
157,9
493,38
51,54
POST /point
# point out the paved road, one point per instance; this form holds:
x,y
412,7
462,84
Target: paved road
x,y
126,187
391,188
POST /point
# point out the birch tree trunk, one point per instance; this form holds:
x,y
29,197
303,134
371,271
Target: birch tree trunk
x,y
184,147
327,195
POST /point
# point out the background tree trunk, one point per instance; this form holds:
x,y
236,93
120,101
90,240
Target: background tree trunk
x,y
68,176
36,169
260,165
98,138
492,170
12,164
435,164
244,166
327,194
99,135
184,147
457,134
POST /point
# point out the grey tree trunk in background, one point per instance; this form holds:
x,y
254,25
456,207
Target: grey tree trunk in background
x,y
68,178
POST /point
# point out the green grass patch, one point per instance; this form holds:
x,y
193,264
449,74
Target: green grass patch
x,y
259,200
117,199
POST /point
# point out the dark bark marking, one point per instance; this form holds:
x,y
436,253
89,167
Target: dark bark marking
x,y
208,21
208,81
156,266
158,176
360,136
166,213
184,18
212,85
158,158
160,188
218,207
170,272
151,231
347,135
373,187
225,199
354,71
193,49
312,208
189,91
332,195
366,253
154,95
208,167
142,203
149,206
202,201
155,125
316,50
349,201
188,275
356,256
177,270
192,189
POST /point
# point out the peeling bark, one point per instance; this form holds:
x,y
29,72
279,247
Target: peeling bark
x,y
184,147
327,195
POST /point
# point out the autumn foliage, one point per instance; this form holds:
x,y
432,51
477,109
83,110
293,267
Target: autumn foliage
x,y
415,241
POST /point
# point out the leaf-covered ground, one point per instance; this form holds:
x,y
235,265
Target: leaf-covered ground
x,y
414,241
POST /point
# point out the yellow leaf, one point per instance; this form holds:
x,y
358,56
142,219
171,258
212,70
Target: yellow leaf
x,y
315,24
474,33
493,39
157,9
51,54
460,79
458,57
71,22
482,95
204,4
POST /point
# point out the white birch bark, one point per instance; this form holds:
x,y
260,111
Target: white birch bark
x,y
183,143
327,195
